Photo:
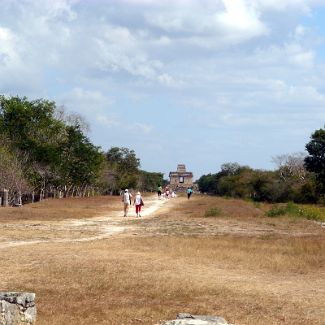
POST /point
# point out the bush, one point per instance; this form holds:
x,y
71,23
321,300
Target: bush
x,y
312,213
212,212
296,211
276,211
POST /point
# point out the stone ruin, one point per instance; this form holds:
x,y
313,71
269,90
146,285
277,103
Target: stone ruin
x,y
17,308
181,179
188,319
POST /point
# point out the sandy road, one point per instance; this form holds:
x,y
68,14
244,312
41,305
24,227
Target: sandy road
x,y
84,230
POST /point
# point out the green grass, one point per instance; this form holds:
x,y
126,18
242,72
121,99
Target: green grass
x,y
297,211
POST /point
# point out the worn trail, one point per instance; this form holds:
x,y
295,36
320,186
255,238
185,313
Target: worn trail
x,y
78,230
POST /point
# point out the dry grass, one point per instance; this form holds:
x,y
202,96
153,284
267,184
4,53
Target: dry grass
x,y
55,209
179,261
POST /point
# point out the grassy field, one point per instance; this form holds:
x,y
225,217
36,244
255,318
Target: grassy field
x,y
208,255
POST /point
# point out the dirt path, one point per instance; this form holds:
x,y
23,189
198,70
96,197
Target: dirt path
x,y
78,230
171,258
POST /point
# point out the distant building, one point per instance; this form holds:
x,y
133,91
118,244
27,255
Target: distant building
x,y
181,179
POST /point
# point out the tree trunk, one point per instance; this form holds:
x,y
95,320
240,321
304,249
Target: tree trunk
x,y
5,198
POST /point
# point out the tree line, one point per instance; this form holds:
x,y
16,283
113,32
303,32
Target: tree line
x,y
298,177
45,151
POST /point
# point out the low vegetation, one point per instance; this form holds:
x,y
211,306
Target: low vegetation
x,y
242,265
212,212
297,211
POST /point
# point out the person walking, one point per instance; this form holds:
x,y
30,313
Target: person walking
x,y
138,202
126,199
159,190
167,192
189,192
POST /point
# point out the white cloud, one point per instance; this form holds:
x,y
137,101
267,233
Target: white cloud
x,y
88,102
292,53
140,127
234,64
14,73
299,32
8,44
167,80
121,51
108,122
240,21
113,122
283,5
230,22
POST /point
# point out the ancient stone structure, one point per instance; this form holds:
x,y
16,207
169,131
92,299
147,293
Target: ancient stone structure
x,y
17,308
188,319
181,179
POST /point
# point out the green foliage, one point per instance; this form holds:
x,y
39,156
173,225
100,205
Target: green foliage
x,y
124,165
296,211
208,183
313,213
80,160
258,185
212,212
315,162
31,127
57,153
230,169
149,181
276,211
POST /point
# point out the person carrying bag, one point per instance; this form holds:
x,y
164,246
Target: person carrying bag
x,y
138,202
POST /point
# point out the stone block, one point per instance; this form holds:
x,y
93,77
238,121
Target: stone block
x,y
17,308
188,319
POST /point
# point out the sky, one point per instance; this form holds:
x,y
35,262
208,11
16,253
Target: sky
x,y
185,81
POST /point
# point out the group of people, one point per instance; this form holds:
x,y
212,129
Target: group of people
x,y
165,193
138,201
127,201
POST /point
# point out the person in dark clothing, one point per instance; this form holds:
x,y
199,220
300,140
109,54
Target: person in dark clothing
x,y
189,192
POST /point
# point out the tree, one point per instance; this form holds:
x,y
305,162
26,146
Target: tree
x,y
31,128
72,119
125,166
228,169
11,173
57,150
315,162
291,166
208,183
148,181
80,161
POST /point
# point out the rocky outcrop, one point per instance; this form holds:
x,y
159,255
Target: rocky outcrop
x,y
17,308
188,319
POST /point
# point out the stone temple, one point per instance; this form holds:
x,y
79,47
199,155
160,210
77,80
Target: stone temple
x,y
181,179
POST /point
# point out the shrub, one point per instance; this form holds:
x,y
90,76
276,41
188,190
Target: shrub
x,y
276,211
312,213
212,212
296,211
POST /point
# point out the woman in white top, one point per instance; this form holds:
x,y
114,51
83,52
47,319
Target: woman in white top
x,y
138,202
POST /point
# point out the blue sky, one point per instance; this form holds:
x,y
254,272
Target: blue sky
x,y
195,82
